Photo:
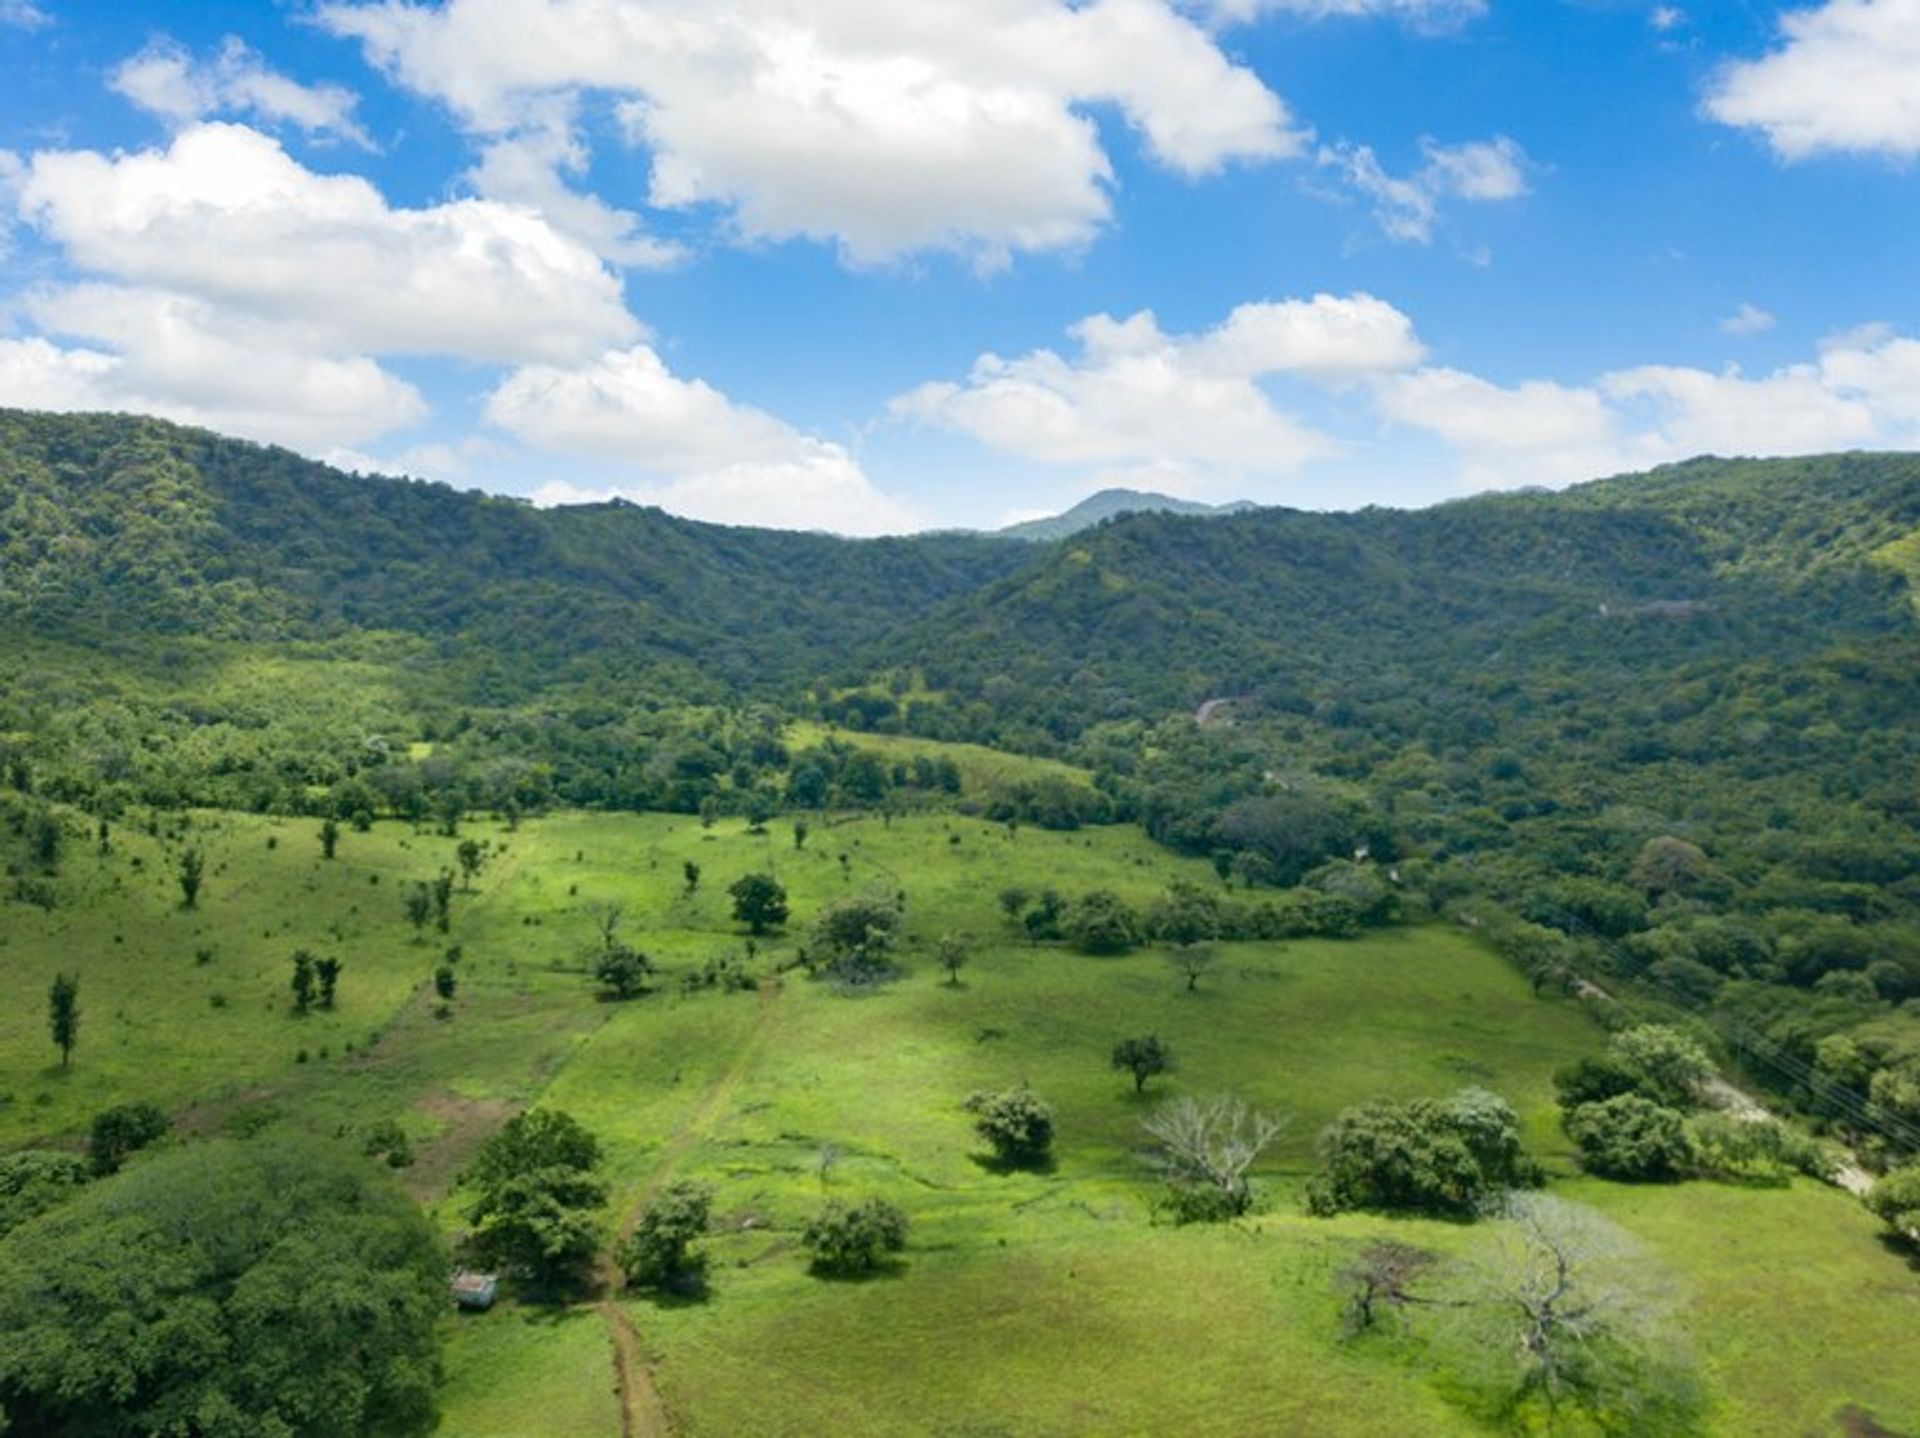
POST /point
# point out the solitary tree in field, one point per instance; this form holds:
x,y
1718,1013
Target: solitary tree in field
x,y
799,833
950,952
63,1014
690,872
1143,1057
302,982
443,901
1192,960
329,838
327,971
471,856
419,907
759,902
444,982
1206,1148
193,868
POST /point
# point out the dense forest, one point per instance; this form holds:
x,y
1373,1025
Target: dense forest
x,y
1654,735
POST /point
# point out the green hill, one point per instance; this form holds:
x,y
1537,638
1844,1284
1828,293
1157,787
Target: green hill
x,y
1111,504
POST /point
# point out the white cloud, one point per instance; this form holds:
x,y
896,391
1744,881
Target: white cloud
x,y
167,81
1747,321
1533,433
1845,78
1433,13
1190,407
20,15
183,359
1665,18
887,129
225,215
528,168
1407,208
687,447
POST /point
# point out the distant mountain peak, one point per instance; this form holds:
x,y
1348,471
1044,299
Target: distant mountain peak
x,y
1111,502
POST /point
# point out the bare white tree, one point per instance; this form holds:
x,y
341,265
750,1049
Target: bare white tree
x,y
1210,1145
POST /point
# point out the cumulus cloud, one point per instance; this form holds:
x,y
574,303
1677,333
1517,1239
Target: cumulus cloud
x,y
223,214
1845,78
684,445
1538,432
889,129
1747,321
530,168
1407,208
165,80
1189,408
156,353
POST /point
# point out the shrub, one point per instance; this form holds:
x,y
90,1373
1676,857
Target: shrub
x,y
846,1239
659,1252
1630,1137
1896,1199
1017,1123
118,1133
1763,1150
1445,1157
1100,922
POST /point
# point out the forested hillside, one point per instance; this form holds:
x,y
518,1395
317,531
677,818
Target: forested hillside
x,y
1659,729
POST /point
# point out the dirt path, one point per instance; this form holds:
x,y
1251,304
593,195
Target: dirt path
x,y
643,1412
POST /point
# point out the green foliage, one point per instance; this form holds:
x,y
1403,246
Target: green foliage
x,y
387,1140
659,1252
1630,1137
951,952
853,938
1101,922
759,902
302,983
191,874
1205,1149
270,1288
35,1180
1017,1123
1143,1057
63,1014
1755,1150
1896,1199
622,972
1669,1066
849,1239
119,1132
537,1197
1426,1156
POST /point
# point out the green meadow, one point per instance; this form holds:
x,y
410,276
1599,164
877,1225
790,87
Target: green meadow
x,y
1027,1303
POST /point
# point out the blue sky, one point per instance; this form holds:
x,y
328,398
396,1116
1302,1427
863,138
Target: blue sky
x,y
822,263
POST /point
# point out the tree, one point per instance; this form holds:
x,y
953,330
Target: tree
x,y
1895,1198
1017,1122
419,907
121,1131
329,837
1428,1156
951,953
690,875
1012,901
1206,1149
327,971
302,981
443,901
1143,1057
63,1014
445,983
32,1181
1670,1066
193,868
1382,1275
273,1286
622,972
1630,1137
1562,1314
759,902
1667,865
1100,922
854,938
536,1198
659,1252
1192,960
848,1239
799,834
471,854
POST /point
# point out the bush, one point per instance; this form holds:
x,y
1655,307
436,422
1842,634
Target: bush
x,y
1761,1150
622,972
1017,1123
386,1139
659,1252
1100,922
1669,1065
854,939
846,1239
1446,1157
1896,1199
1631,1137
35,1180
120,1132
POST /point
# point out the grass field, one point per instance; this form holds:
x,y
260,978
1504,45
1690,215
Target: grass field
x,y
1028,1303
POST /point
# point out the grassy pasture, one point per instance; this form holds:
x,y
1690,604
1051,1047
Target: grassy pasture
x,y
1029,1303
